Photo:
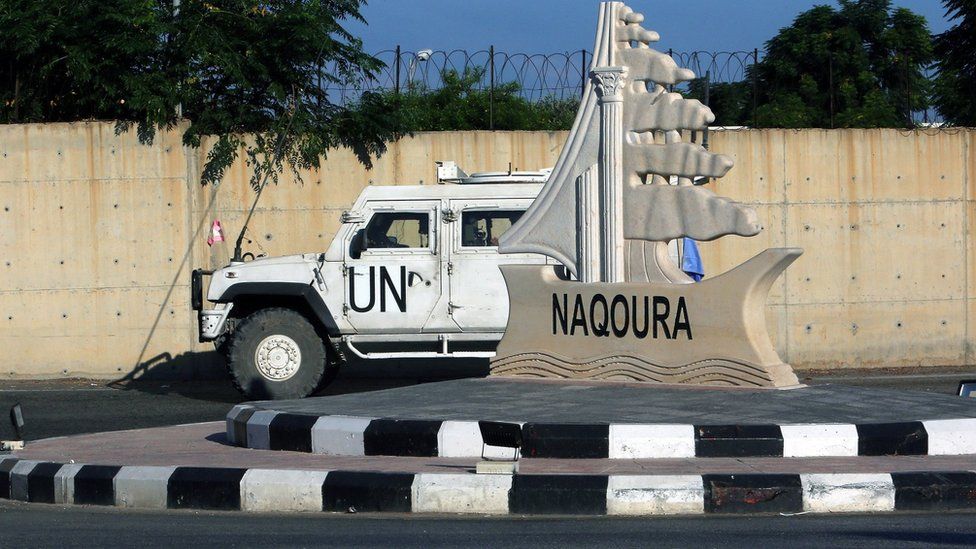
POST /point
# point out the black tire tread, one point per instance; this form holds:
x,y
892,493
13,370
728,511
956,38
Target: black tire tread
x,y
291,320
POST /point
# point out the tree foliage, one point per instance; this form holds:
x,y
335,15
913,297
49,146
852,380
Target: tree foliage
x,y
463,102
955,87
857,66
232,68
731,102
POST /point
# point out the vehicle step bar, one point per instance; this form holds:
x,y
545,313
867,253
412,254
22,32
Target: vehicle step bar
x,y
445,352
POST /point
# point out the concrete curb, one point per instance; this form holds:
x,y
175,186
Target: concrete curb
x,y
265,490
358,436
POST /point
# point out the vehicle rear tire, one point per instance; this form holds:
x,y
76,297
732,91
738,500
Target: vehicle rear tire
x,y
276,353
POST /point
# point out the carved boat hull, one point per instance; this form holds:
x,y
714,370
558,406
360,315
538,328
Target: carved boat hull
x,y
709,333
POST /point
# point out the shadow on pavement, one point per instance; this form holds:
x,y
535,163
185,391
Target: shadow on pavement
x,y
201,376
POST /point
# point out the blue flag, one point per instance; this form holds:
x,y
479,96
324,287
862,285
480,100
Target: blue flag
x,y
691,262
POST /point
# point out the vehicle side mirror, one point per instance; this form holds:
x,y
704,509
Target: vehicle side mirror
x,y
358,244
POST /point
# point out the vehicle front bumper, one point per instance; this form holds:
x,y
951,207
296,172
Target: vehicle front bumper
x,y
213,321
210,322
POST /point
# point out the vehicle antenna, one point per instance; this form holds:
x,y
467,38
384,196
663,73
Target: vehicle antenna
x,y
238,255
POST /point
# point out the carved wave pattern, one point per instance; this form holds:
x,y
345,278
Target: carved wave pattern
x,y
632,368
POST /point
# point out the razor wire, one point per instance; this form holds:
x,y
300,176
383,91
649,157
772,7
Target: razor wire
x,y
537,76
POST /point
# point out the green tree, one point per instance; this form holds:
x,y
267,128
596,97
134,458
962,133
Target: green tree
x,y
462,102
65,61
859,66
731,102
955,87
230,68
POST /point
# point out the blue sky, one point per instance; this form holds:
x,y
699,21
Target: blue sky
x,y
549,26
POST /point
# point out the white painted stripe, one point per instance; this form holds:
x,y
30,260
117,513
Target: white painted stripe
x,y
652,441
234,413
64,483
951,436
460,493
142,487
848,493
339,435
258,432
18,479
459,439
276,490
819,440
655,495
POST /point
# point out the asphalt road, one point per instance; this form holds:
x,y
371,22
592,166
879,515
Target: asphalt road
x,y
38,525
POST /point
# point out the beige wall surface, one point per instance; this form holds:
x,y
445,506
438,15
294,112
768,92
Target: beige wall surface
x,y
98,234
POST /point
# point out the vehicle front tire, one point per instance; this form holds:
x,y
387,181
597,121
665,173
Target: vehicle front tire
x,y
276,353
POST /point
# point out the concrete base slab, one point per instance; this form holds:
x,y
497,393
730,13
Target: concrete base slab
x,y
497,467
192,466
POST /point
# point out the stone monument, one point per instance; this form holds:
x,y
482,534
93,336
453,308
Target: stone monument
x,y
607,212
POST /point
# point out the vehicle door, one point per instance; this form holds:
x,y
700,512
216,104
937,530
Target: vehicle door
x,y
393,272
479,298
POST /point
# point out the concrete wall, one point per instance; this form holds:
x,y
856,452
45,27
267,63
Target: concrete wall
x,y
98,234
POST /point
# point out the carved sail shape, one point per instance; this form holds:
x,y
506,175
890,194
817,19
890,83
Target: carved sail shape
x,y
648,113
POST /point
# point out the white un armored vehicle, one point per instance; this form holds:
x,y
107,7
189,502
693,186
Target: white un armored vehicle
x,y
411,273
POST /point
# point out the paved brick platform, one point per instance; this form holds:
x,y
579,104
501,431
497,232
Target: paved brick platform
x,y
608,402
192,466
612,420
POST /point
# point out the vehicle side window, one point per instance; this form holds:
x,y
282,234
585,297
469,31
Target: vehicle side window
x,y
483,228
398,230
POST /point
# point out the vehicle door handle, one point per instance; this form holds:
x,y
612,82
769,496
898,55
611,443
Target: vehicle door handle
x,y
413,276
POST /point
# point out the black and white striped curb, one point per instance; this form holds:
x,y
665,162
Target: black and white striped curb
x,y
363,436
267,490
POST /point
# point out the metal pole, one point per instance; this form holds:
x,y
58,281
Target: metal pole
x,y
176,13
908,89
708,86
583,73
491,90
671,55
830,70
396,85
755,86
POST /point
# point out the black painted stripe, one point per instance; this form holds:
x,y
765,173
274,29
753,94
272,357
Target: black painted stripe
x,y
204,488
892,439
292,432
40,482
934,491
95,484
347,491
568,441
558,494
738,441
401,437
753,493
5,468
240,427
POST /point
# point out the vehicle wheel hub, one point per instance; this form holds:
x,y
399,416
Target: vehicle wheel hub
x,y
278,357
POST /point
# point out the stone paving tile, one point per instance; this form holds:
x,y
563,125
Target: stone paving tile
x,y
608,402
202,445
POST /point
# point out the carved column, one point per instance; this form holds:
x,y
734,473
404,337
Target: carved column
x,y
609,85
588,229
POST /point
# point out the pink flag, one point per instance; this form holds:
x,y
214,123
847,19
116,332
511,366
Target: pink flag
x,y
216,233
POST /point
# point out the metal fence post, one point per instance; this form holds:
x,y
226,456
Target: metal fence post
x,y
830,77
755,87
396,85
491,89
708,86
583,74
